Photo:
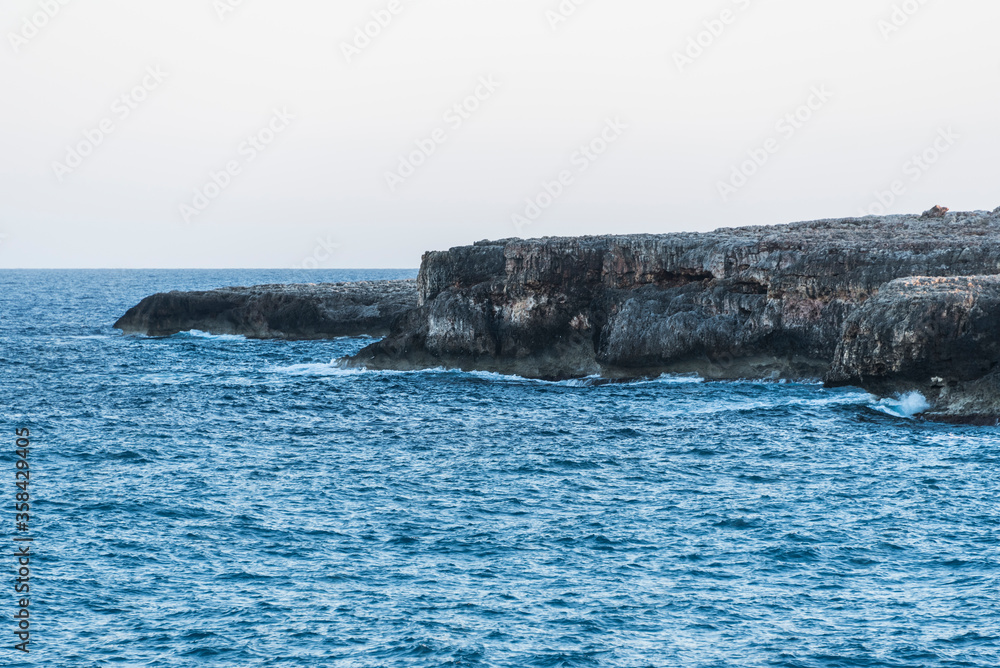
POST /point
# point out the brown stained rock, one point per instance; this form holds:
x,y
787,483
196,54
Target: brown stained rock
x,y
936,212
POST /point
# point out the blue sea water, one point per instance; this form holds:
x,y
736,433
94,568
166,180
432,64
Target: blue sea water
x,y
215,501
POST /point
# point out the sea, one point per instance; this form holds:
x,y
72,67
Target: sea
x,y
205,500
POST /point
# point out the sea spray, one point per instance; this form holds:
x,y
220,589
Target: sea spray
x,y
906,405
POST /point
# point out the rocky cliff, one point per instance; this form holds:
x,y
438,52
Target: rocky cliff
x,y
750,302
311,311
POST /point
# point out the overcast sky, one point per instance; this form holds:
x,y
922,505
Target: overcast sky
x,y
220,133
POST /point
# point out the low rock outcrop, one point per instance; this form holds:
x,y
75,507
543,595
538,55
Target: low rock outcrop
x,y
310,311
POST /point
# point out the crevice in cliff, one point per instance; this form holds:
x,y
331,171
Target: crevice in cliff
x,y
676,279
749,288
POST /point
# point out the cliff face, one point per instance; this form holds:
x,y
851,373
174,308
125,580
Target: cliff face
x,y
937,336
313,311
735,303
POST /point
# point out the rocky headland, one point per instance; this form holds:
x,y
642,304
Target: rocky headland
x,y
892,304
308,311
818,299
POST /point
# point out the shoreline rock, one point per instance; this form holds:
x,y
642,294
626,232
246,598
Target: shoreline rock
x,y
750,302
293,312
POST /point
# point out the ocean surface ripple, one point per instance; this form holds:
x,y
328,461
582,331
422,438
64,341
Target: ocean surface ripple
x,y
217,501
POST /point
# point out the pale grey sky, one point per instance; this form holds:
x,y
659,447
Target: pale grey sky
x,y
270,134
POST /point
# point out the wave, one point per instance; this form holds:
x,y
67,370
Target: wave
x,y
815,400
587,381
672,379
907,405
198,334
332,368
337,367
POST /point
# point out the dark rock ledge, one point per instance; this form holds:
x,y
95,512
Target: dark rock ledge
x,y
309,311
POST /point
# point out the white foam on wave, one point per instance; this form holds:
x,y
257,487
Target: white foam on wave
x,y
332,368
198,334
513,378
586,381
336,367
589,381
775,380
906,405
839,397
679,379
693,378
